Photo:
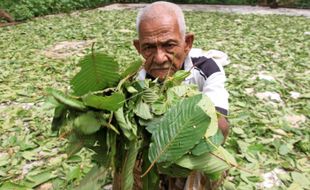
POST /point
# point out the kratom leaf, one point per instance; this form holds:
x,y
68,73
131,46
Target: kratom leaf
x,y
176,79
209,163
132,69
73,173
179,91
143,110
87,123
151,180
94,179
159,107
35,180
78,141
179,130
208,145
111,103
207,106
13,186
66,100
128,129
131,89
127,174
174,170
98,71
59,117
149,95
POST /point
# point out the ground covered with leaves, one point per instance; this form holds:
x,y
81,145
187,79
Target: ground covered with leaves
x,y
268,81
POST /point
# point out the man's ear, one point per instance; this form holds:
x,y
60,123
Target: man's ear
x,y
189,39
136,43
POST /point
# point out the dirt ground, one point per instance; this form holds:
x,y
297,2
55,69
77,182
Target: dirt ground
x,y
222,8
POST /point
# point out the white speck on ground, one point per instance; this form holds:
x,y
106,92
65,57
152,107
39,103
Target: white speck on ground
x,y
294,95
108,187
249,91
295,120
273,96
263,76
271,179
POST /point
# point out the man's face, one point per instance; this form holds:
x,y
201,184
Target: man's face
x,y
162,46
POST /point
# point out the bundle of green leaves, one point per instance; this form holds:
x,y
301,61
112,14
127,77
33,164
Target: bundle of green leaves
x,y
169,126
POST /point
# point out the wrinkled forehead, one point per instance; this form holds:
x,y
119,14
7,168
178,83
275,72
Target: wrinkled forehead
x,y
158,24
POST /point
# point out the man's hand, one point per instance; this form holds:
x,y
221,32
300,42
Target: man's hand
x,y
224,126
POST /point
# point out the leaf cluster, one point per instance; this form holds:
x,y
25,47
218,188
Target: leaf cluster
x,y
171,125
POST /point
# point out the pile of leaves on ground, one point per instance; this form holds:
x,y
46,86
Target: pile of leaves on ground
x,y
27,9
169,127
267,82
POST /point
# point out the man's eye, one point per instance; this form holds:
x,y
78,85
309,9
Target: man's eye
x,y
169,46
146,48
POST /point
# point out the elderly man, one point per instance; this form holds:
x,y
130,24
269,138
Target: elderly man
x,y
166,48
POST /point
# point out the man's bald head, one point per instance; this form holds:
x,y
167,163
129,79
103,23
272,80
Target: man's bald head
x,y
161,9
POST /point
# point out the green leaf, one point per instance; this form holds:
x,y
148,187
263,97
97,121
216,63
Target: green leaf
x,y
87,123
131,89
208,145
149,95
74,173
143,110
229,185
75,144
209,163
174,170
177,78
295,186
35,180
98,71
301,179
94,179
127,174
111,103
4,160
128,129
285,149
66,100
132,69
179,130
13,186
159,107
151,180
59,118
207,106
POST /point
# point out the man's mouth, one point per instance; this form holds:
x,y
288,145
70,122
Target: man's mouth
x,y
161,68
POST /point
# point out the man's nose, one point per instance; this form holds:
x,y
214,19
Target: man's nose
x,y
160,56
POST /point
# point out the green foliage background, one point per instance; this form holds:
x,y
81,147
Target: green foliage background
x,y
26,9
261,138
